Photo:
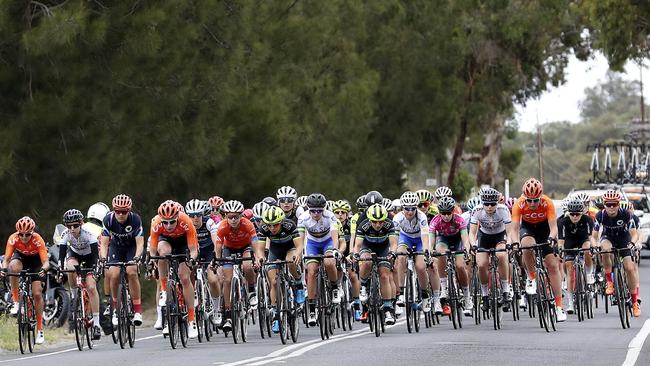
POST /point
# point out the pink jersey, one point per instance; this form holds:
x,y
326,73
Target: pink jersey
x,y
438,226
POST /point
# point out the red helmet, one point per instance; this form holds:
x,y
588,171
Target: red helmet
x,y
611,196
215,201
180,207
248,213
122,201
168,210
532,188
502,198
25,225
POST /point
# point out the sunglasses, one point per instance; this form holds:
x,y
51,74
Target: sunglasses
x,y
122,212
24,235
73,226
195,215
489,203
445,213
376,222
233,217
274,225
610,205
168,222
315,210
532,200
575,213
340,212
286,200
410,209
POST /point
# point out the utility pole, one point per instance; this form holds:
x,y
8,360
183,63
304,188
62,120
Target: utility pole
x,y
642,102
540,160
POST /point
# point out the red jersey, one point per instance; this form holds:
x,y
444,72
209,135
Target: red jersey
x,y
545,211
184,227
35,246
236,238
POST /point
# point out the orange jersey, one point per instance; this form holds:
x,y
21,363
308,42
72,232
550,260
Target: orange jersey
x,y
236,238
184,227
545,211
35,246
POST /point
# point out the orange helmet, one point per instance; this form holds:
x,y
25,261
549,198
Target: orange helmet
x,y
215,201
168,210
180,207
611,196
25,225
532,188
122,201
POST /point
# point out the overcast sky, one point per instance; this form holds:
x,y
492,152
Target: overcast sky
x,y
562,103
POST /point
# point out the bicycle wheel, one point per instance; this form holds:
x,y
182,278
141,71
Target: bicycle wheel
x,y
476,296
516,296
494,299
377,301
23,325
451,297
579,292
542,301
343,306
199,309
77,319
618,293
261,304
244,311
172,314
281,308
31,323
235,304
410,305
417,298
122,326
321,306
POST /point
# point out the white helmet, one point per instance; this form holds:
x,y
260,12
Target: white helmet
x,y
442,192
286,192
233,206
98,211
194,206
397,204
409,198
387,203
259,208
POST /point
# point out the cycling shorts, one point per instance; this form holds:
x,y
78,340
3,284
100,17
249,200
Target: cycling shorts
x,y
454,243
540,232
490,241
120,253
380,250
31,263
415,244
89,260
206,254
619,243
319,247
229,252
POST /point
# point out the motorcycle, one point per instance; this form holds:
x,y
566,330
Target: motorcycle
x,y
57,297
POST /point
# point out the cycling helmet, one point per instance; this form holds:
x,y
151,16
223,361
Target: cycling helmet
x,y
599,202
122,201
180,207
329,205
207,208
215,201
168,210
409,198
397,204
361,202
25,225
563,204
248,213
270,201
442,192
316,200
233,206
259,208
377,212
611,196
388,204
273,215
72,215
301,201
473,202
423,195
373,197
625,205
502,198
510,202
532,188
194,207
342,205
446,204
581,196
575,205
98,211
286,192
489,195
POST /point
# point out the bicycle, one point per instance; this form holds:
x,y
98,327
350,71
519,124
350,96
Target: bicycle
x,y
475,288
324,306
175,309
204,308
82,315
344,310
454,293
125,326
621,291
26,310
287,310
581,294
263,304
412,295
516,280
239,305
544,298
494,282
375,300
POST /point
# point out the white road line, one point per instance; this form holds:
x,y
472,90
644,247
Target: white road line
x,y
68,350
636,344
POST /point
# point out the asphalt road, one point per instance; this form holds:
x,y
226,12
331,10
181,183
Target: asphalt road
x,y
599,341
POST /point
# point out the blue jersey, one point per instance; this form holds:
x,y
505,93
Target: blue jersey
x,y
204,233
122,234
617,226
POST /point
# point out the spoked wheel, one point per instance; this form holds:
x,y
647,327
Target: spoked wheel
x,y
183,328
453,301
619,293
322,309
517,292
408,297
172,314
579,296
235,304
77,318
122,326
293,326
261,306
23,325
542,302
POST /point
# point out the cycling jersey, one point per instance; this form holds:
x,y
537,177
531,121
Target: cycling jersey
x,y
413,227
236,238
439,227
34,247
491,224
317,230
122,234
576,233
80,245
184,230
522,212
373,237
345,231
614,227
204,233
94,229
282,242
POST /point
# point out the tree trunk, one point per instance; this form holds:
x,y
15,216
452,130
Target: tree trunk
x,y
464,121
491,152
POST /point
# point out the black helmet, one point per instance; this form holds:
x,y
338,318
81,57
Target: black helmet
x,y
575,205
316,200
361,202
72,215
446,204
270,201
372,198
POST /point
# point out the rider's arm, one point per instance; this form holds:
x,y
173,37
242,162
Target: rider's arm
x,y
392,240
509,233
154,235
473,230
299,246
42,253
9,252
516,219
103,246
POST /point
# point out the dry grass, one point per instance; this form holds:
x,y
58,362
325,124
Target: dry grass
x,y
9,335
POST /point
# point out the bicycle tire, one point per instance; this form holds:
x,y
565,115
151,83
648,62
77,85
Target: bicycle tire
x,y
476,296
579,292
494,297
261,304
199,309
244,311
282,307
516,296
172,313
408,297
376,295
618,293
417,298
23,325
121,316
77,321
235,296
542,302
88,321
451,297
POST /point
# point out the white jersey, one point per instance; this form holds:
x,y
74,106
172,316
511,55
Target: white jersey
x,y
411,228
80,245
320,230
491,223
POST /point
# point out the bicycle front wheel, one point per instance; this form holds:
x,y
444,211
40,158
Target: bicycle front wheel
x,y
23,325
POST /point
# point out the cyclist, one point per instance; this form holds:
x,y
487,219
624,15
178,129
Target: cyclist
x,y
533,217
283,240
342,210
319,227
376,234
575,232
206,232
448,231
236,235
82,249
613,225
413,235
443,191
26,250
287,196
426,206
122,240
361,209
173,233
215,203
490,226
397,206
258,211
